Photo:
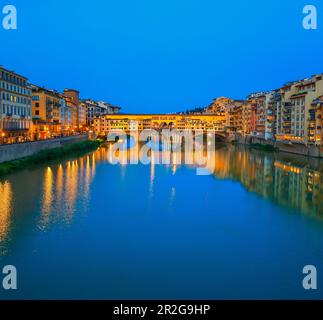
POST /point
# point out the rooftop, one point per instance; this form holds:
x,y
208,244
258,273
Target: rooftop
x,y
12,72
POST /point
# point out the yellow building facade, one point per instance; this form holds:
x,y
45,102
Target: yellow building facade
x,y
131,122
46,113
298,115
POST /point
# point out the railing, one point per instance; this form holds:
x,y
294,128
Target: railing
x,y
14,129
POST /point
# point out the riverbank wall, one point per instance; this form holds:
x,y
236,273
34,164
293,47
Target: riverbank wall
x,y
21,150
295,148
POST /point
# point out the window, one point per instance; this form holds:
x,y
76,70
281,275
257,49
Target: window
x,y
37,112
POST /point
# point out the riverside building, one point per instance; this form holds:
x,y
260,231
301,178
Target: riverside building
x,y
73,100
46,113
298,116
97,109
66,117
15,107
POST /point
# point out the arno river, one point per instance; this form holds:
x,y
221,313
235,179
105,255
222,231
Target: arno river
x,y
85,228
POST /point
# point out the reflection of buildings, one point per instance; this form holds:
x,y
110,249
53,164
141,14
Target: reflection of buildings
x,y
288,180
5,209
48,191
298,185
290,184
64,188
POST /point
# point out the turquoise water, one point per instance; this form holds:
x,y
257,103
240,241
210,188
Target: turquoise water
x,y
87,229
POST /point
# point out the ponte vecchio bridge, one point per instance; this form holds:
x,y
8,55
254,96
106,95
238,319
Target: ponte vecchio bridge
x,y
132,122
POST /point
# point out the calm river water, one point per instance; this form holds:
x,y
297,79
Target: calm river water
x,y
85,228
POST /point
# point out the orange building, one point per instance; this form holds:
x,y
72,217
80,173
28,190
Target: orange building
x,y
315,121
46,113
73,100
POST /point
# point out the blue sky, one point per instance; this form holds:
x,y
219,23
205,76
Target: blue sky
x,y
162,55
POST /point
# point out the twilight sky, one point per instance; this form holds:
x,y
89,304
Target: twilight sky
x,y
162,55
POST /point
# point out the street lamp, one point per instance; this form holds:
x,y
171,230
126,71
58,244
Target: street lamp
x,y
2,137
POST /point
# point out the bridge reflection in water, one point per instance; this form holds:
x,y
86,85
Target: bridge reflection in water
x,y
289,180
60,191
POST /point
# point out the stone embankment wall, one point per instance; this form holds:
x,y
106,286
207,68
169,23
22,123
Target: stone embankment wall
x,y
20,150
296,148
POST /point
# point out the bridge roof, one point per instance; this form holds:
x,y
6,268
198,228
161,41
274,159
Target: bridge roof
x,y
161,115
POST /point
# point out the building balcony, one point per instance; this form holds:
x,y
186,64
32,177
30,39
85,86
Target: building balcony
x,y
14,129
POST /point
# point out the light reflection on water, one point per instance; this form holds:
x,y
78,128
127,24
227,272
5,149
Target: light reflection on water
x,y
64,186
5,211
54,196
288,180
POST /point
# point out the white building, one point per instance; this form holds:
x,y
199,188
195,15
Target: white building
x,y
97,109
106,107
66,115
15,107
